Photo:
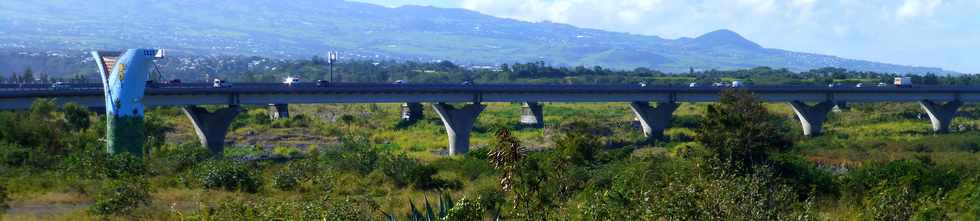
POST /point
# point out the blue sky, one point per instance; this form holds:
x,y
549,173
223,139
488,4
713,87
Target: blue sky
x,y
935,33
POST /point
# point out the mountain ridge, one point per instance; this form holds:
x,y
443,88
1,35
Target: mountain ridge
x,y
303,28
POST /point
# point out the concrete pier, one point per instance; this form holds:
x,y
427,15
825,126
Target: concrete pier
x,y
278,111
941,115
124,76
532,115
412,112
459,123
653,120
211,127
812,117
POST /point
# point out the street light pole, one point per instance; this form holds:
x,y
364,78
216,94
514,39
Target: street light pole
x,y
331,58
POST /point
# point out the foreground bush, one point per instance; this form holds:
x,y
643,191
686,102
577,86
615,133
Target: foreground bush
x,y
120,197
227,175
405,171
239,209
3,200
717,195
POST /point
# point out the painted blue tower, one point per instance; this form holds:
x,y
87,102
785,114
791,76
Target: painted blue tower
x,y
124,77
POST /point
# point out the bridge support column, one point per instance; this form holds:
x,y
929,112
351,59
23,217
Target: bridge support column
x,y
842,106
812,117
532,115
459,123
124,76
211,127
412,112
654,120
278,111
941,115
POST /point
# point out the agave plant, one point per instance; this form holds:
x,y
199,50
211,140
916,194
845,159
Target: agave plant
x,y
431,214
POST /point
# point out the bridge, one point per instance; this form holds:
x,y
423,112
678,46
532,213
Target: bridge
x,y
124,93
940,103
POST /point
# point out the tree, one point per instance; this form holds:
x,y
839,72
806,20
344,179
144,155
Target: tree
x,y
506,156
76,117
28,76
740,130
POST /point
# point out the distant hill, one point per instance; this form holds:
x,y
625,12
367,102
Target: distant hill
x,y
303,28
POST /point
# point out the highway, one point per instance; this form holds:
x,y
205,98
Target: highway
x,y
20,96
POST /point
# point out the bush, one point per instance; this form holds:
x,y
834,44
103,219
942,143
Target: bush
x,y
3,200
963,203
120,197
294,172
238,209
741,131
465,210
179,159
404,171
228,175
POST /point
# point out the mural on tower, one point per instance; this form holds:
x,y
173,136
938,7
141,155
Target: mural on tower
x,y
124,77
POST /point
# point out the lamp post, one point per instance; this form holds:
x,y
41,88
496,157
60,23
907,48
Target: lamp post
x,y
331,58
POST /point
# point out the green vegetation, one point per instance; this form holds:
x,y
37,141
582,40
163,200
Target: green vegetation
x,y
737,159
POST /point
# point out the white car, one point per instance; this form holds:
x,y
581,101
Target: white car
x,y
859,85
290,81
60,85
693,84
401,82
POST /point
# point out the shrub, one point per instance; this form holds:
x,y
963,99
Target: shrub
x,y
286,151
740,130
404,171
962,203
120,197
465,210
294,172
179,159
3,200
239,209
76,117
228,175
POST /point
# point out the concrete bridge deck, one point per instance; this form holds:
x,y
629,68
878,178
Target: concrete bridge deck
x,y
940,102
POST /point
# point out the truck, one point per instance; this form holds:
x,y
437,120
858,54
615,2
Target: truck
x,y
903,82
290,81
737,84
218,83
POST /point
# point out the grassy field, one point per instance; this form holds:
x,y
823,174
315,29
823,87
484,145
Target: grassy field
x,y
861,137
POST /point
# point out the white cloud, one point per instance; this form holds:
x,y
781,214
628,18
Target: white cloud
x,y
916,8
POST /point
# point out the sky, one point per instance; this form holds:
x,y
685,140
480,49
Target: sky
x,y
933,33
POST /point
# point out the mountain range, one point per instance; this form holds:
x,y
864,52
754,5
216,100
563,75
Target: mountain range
x,y
303,28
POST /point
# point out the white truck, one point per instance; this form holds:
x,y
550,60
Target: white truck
x,y
903,82
737,84
218,83
290,81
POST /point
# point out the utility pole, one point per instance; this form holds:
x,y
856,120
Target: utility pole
x,y
331,58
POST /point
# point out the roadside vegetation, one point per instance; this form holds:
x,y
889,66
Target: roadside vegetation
x,y
737,159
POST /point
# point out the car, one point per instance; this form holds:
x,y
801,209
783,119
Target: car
x,y
218,83
643,84
290,81
859,85
831,85
467,83
174,81
60,85
322,83
882,84
401,82
693,84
